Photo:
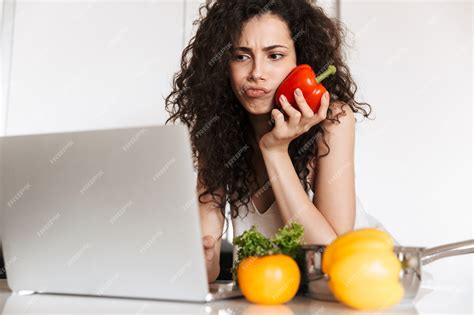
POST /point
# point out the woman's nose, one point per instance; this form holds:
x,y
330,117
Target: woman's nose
x,y
257,70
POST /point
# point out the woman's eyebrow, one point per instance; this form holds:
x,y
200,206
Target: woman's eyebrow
x,y
247,49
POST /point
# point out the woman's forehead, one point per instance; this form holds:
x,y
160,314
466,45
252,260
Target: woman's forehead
x,y
264,31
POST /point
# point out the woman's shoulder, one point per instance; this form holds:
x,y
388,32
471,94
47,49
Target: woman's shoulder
x,y
339,127
340,111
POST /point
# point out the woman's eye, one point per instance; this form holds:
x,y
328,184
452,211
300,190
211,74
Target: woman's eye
x,y
237,58
276,55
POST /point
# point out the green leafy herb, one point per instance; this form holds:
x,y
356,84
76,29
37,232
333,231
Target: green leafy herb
x,y
252,243
286,241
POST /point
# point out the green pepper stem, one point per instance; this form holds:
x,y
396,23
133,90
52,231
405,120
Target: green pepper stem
x,y
329,71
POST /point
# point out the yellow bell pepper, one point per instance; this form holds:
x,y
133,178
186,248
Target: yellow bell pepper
x,y
363,270
368,238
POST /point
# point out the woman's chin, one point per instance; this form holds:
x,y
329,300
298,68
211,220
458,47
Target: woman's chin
x,y
259,108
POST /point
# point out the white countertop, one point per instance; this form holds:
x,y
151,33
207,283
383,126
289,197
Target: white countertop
x,y
449,291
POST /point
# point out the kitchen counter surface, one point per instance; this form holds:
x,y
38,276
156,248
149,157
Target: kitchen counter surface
x,y
446,289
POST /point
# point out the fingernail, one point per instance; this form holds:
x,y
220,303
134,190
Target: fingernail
x,y
298,92
282,97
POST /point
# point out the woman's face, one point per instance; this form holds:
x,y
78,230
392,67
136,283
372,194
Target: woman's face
x,y
261,59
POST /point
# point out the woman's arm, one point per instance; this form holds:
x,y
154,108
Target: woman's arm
x,y
334,180
293,201
212,223
332,211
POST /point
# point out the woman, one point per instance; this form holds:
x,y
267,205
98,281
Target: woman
x,y
271,168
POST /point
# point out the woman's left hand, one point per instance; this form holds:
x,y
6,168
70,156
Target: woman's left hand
x,y
299,122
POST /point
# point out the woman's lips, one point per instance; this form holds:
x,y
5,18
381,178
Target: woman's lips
x,y
255,92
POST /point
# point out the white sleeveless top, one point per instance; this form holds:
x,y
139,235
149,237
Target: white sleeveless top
x,y
270,221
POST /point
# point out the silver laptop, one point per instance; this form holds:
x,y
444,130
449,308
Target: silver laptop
x,y
106,213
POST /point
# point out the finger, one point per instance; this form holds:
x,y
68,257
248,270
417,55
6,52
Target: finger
x,y
208,241
323,109
293,113
209,254
305,110
279,118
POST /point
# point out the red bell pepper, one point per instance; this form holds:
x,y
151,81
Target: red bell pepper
x,y
304,78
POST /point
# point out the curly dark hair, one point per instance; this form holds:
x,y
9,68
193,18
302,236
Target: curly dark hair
x,y
202,97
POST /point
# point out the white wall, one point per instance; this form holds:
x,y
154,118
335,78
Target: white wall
x,y
6,27
2,71
6,32
2,103
413,63
86,65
